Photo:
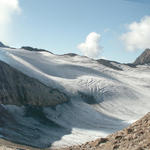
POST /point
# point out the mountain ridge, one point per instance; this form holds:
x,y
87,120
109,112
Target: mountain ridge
x,y
140,60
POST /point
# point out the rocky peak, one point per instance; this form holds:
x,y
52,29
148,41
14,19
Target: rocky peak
x,y
144,58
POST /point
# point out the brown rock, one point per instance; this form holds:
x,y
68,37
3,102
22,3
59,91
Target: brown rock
x,y
135,137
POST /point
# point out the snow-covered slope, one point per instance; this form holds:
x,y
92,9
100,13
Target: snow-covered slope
x,y
102,99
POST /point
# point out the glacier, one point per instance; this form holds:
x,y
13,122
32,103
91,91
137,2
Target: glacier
x,y
102,99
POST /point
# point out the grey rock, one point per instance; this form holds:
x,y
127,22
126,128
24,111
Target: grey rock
x,y
35,49
19,89
109,64
144,58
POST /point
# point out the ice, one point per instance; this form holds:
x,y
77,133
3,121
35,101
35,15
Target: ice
x,y
118,98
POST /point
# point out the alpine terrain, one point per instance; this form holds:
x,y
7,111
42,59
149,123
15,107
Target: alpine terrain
x,y
57,101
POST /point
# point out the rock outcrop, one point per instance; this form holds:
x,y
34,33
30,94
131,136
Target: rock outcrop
x,y
19,89
144,58
109,64
34,49
135,137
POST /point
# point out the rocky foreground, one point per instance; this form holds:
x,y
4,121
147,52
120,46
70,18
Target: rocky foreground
x,y
135,137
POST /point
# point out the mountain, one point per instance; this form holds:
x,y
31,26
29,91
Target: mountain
x,y
95,98
144,58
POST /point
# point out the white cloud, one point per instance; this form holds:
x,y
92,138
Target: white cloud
x,y
7,9
91,47
138,36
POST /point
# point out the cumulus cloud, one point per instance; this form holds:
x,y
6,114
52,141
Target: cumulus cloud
x,y
91,47
7,9
138,35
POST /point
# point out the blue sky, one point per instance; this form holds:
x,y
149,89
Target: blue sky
x,y
61,25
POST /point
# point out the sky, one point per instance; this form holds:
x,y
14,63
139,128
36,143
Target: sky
x,y
116,30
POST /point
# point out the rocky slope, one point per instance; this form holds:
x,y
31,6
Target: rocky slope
x,y
144,58
19,89
135,137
